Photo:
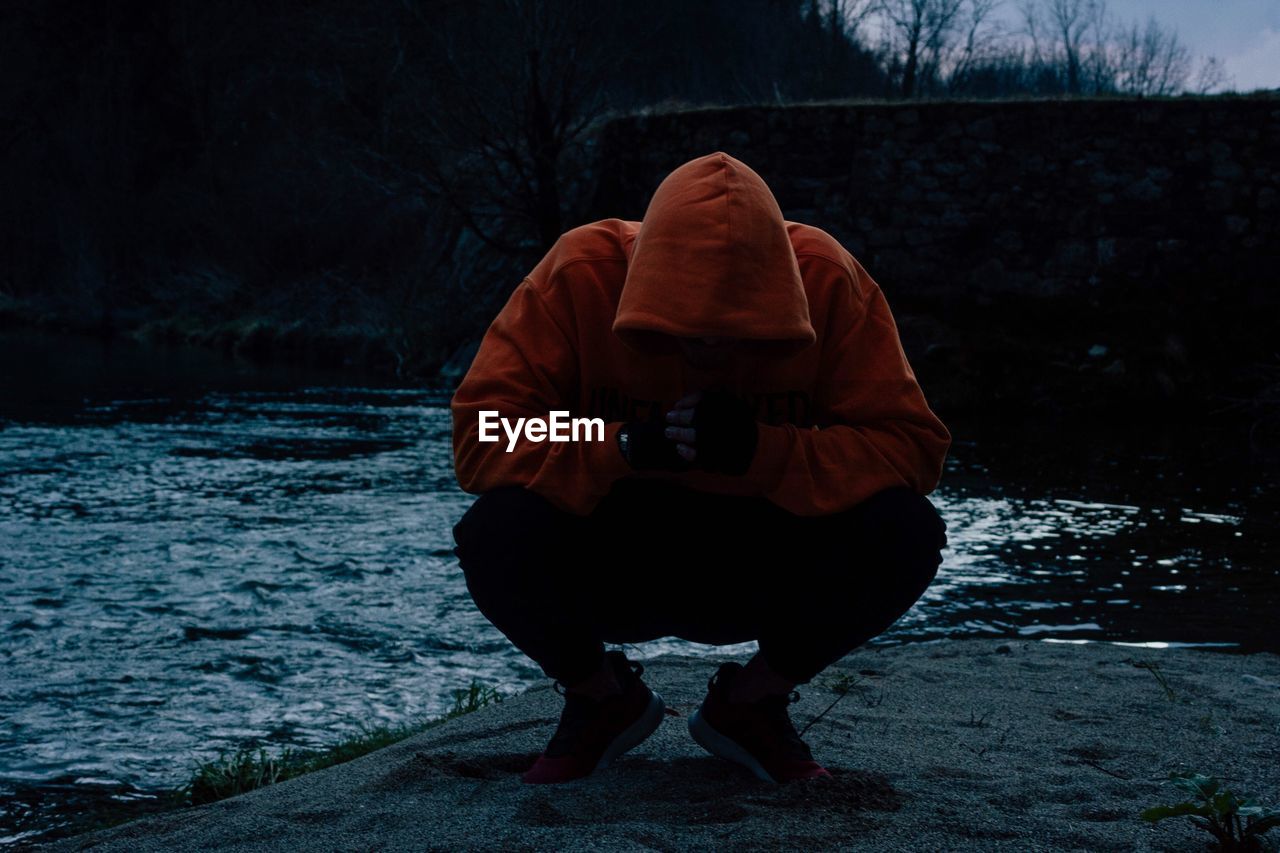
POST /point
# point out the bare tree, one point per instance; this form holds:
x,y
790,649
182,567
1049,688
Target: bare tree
x,y
1061,32
515,86
919,33
847,16
1150,60
1212,76
829,52
977,42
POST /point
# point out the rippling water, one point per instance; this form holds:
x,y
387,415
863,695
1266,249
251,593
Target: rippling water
x,y
184,574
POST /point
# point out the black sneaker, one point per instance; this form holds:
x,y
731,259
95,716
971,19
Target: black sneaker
x,y
592,733
758,735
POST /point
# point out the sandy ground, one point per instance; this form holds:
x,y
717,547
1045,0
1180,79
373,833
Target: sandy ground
x,y
963,745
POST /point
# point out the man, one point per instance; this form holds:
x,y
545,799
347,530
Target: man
x,y
766,456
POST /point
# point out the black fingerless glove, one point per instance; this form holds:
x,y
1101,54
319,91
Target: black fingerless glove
x,y
726,433
645,446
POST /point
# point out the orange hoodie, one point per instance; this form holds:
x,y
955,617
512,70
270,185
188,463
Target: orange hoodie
x,y
840,413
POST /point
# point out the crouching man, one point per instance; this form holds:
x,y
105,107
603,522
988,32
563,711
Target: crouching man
x,y
760,474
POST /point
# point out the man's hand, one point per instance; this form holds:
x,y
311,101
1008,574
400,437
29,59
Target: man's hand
x,y
645,448
715,431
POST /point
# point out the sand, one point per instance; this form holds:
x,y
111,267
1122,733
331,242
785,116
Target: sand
x,y
956,745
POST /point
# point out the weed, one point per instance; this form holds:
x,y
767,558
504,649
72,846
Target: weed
x,y
472,698
1208,726
248,768
840,685
1154,669
998,745
1237,821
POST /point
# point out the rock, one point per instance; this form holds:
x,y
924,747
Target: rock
x,y
935,746
460,362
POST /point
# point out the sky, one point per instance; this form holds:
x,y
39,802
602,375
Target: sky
x,y
1244,34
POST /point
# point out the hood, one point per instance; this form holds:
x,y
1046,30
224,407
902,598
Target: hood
x,y
713,259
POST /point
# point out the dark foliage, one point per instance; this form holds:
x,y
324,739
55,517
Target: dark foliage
x,y
358,181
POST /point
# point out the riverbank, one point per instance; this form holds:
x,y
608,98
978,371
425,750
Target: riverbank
x,y
289,336
952,745
1016,385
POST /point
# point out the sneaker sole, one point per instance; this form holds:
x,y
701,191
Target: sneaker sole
x,y
636,733
722,747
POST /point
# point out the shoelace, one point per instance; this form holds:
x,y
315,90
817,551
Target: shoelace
x,y
580,712
774,710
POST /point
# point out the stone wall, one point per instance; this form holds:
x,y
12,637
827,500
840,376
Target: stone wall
x,y
1040,253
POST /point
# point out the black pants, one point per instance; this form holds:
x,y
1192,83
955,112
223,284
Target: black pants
x,y
656,560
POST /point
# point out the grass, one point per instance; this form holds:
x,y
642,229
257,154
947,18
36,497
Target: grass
x,y
244,769
675,107
1154,669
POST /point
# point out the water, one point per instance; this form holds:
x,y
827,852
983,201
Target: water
x,y
193,558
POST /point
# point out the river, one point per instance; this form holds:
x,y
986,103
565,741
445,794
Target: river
x,y
196,554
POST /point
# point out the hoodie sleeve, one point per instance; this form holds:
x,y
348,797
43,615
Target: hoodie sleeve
x,y
879,431
527,367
